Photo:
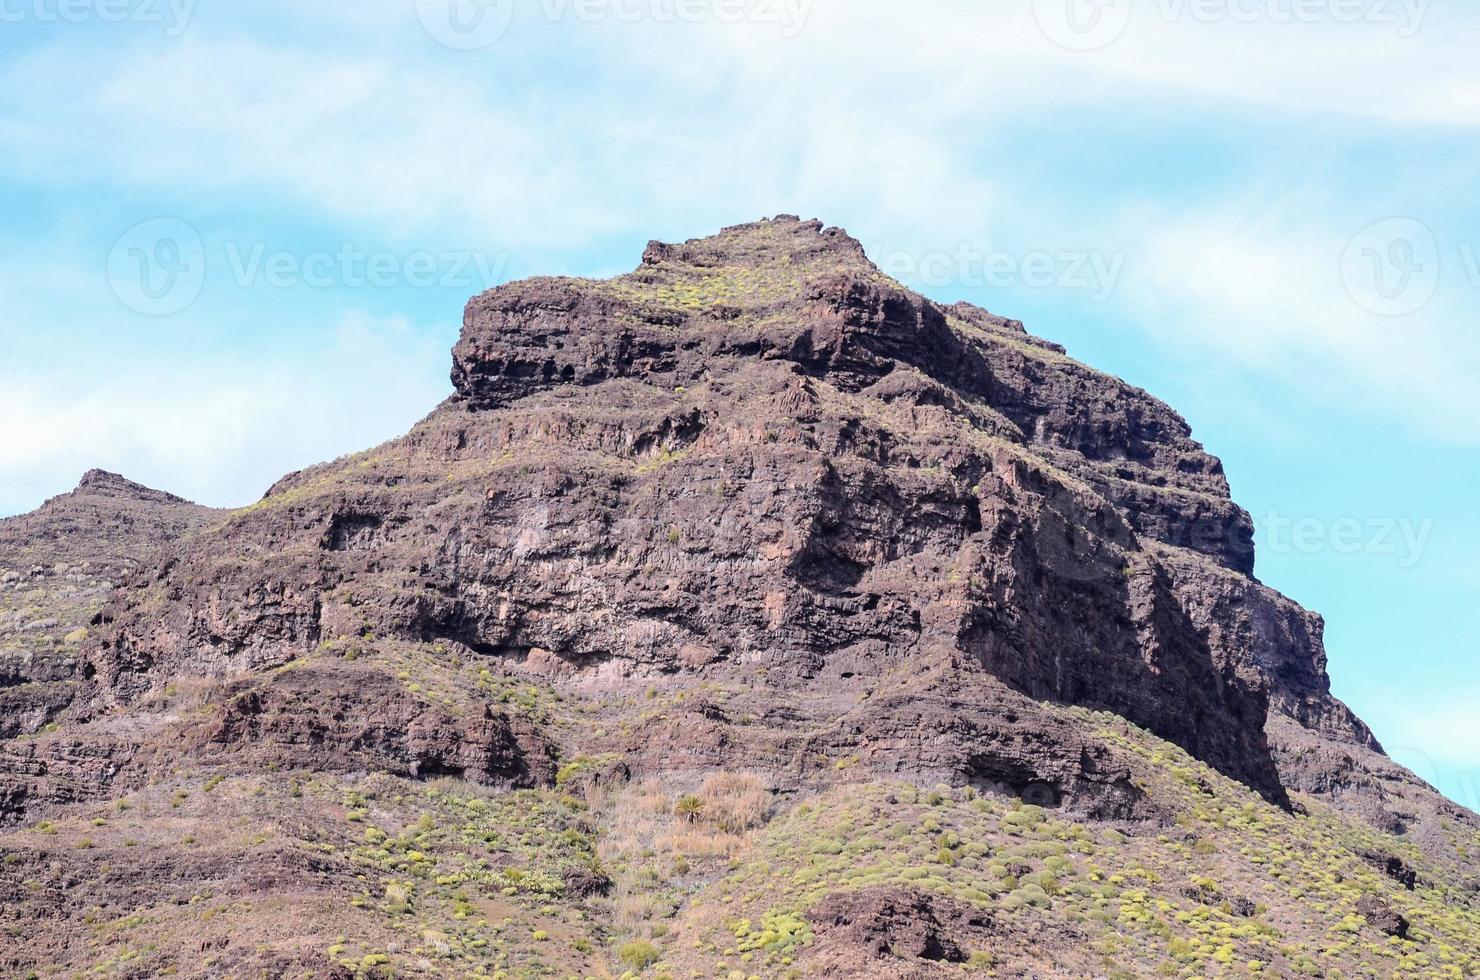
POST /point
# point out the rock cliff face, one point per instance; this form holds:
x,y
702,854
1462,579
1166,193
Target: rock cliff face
x,y
752,508
756,453
754,456
58,565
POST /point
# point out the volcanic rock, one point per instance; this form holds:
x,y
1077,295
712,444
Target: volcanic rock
x,y
746,594
759,453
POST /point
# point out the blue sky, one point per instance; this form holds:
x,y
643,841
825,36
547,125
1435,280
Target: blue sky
x,y
1263,211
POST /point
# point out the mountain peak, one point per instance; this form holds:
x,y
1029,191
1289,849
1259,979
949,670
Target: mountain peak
x,y
780,289
104,483
784,238
764,547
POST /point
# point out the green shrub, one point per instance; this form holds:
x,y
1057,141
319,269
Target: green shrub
x,y
1025,818
1034,895
638,955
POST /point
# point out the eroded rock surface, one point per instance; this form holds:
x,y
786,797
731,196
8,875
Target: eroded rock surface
x,y
750,530
58,566
891,932
755,453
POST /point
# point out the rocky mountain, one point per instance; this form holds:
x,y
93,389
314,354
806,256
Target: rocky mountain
x,y
58,566
745,615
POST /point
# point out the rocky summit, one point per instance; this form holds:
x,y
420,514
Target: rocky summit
x,y
747,615
58,566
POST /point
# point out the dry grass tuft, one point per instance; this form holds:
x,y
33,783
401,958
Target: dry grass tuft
x,y
735,802
705,842
648,818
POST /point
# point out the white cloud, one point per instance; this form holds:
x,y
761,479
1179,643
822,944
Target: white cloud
x,y
865,101
1440,742
204,431
873,115
1263,284
990,59
349,137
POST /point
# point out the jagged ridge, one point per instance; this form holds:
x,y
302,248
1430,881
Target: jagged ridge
x,y
895,483
755,518
58,565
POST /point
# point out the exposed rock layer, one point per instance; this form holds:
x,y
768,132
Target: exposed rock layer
x,y
757,453
753,512
58,565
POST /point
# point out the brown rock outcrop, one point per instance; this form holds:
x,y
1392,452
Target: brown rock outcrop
x,y
892,932
757,457
58,565
758,447
351,719
1383,917
731,539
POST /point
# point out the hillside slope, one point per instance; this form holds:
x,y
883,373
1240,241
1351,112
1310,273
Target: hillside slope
x,y
58,566
744,615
